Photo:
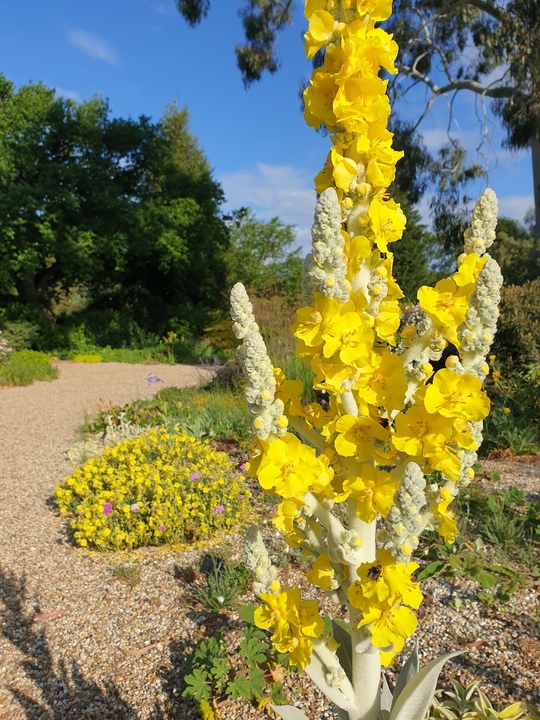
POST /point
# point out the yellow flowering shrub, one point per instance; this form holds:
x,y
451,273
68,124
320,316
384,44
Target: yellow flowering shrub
x,y
160,487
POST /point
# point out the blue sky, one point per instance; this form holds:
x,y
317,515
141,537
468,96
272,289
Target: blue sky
x,y
141,55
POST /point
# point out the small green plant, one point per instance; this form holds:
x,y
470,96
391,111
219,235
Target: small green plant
x,y
497,583
159,487
506,431
470,703
502,526
25,367
128,574
245,668
224,583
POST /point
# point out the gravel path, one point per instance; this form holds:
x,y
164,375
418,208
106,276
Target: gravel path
x,y
71,665
77,643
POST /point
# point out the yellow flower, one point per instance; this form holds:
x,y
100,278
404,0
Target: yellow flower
x,y
373,491
385,580
295,622
386,385
418,432
290,468
358,436
321,573
349,335
312,322
457,396
389,624
387,222
444,522
319,100
469,269
446,304
320,31
377,10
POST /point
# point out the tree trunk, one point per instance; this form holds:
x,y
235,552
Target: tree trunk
x,y
536,182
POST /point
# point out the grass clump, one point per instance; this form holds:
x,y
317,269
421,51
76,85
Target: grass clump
x,y
159,487
25,367
224,583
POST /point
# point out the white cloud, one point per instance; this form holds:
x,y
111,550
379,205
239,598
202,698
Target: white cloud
x,y
274,191
163,9
93,46
515,206
68,94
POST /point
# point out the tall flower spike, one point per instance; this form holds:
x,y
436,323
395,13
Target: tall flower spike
x,y
260,391
325,267
480,236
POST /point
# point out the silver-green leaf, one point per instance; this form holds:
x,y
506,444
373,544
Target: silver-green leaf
x,y
415,698
408,671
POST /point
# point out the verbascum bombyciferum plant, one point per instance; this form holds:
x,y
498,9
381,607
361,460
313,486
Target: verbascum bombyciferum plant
x,y
396,438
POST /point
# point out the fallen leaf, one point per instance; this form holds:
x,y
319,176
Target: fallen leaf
x,y
476,643
140,651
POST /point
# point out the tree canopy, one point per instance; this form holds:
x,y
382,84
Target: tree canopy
x,y
125,211
260,255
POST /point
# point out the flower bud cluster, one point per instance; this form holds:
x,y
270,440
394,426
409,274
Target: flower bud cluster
x,y
482,232
405,520
260,391
258,561
477,332
325,268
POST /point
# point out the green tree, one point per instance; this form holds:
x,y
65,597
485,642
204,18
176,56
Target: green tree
x,y
172,271
126,211
517,252
260,255
66,183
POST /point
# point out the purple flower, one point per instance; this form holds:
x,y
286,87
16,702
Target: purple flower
x,y
152,379
161,528
219,510
195,475
134,507
107,508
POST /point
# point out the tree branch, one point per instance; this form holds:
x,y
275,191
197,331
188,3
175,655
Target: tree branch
x,y
488,6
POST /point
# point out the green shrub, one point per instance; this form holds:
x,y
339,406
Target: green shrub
x,y
517,342
26,366
21,335
218,412
157,488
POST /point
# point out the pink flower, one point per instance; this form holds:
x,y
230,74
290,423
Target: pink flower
x,y
134,507
161,528
219,510
107,508
195,475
